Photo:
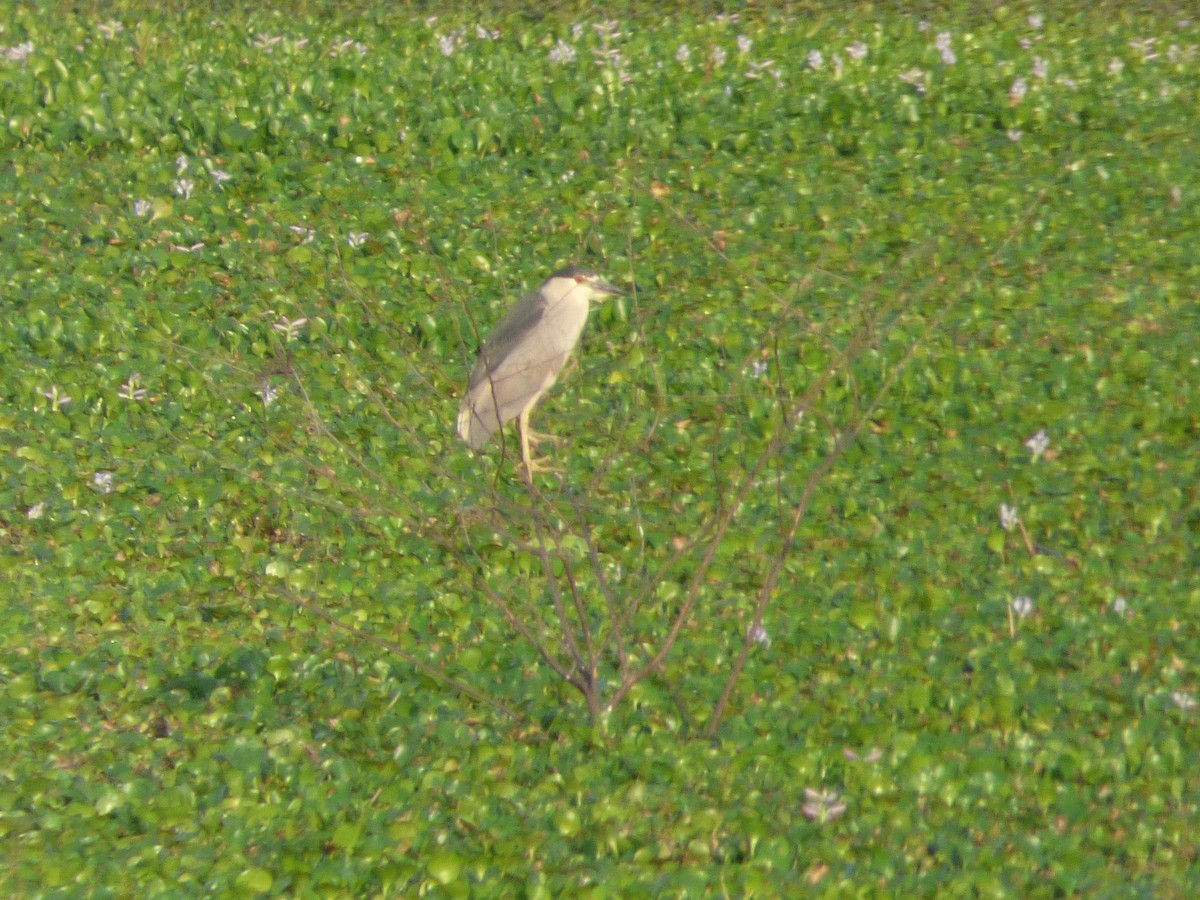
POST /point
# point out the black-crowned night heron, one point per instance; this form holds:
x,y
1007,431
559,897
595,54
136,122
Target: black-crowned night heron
x,y
523,355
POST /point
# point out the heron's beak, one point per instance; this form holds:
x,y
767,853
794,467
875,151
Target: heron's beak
x,y
604,287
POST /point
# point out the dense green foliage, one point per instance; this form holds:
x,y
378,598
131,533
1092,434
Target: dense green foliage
x,y
258,647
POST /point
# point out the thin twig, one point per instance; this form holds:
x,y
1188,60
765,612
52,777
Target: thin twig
x,y
725,520
606,591
845,439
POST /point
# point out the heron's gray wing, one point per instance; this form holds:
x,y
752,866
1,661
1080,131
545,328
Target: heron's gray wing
x,y
516,324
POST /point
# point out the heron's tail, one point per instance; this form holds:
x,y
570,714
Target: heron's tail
x,y
471,428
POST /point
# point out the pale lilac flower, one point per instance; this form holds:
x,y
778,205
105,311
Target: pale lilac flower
x,y
923,26
1035,21
914,77
822,805
1176,195
446,44
611,57
484,35
1184,700
744,44
759,635
268,392
267,41
1017,92
815,59
57,400
19,52
142,208
1038,444
1115,66
562,52
110,29
357,238
220,176
346,45
1145,46
873,755
306,234
1025,43
131,389
36,511
181,164
183,187
682,54
1040,67
607,30
188,248
1177,54
290,327
726,18
758,68
857,51
1008,517
718,57
1021,606
1120,607
103,482
944,48
568,175
1014,134
577,30
758,368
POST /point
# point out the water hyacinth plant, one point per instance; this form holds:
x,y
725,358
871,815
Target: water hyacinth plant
x,y
869,556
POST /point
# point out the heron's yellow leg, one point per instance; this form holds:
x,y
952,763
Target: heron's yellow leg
x,y
531,464
536,437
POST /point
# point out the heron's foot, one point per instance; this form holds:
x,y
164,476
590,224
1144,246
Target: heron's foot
x,y
540,464
536,437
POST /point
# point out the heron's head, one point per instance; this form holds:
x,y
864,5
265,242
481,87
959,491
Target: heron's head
x,y
578,282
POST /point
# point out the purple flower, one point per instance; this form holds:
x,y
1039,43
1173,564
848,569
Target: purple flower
x,y
1038,444
1008,517
759,635
822,805
562,52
